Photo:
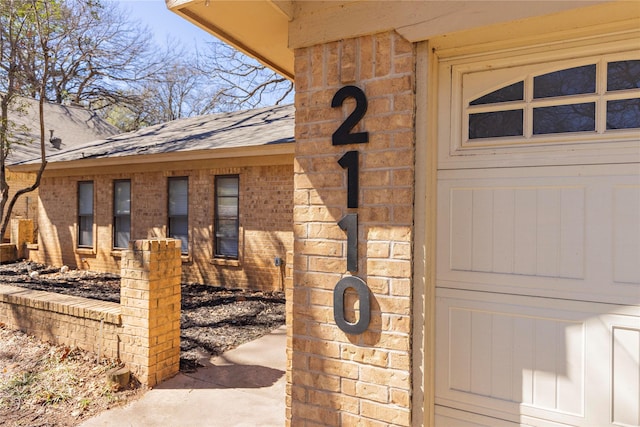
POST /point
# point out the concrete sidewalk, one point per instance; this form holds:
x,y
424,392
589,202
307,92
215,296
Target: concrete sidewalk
x,y
243,387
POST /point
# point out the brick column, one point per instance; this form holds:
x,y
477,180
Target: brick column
x,y
338,378
21,234
150,304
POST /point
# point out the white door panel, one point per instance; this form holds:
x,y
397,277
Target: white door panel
x,y
571,233
538,296
520,358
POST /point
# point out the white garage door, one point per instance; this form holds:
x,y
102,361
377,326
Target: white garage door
x,y
538,245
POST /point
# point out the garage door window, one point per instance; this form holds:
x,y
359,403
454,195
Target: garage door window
x,y
623,76
597,97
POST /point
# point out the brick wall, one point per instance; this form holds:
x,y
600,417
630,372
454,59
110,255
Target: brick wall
x,y
26,206
143,331
62,319
335,378
266,199
150,299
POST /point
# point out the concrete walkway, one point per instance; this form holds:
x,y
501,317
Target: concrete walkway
x,y
243,387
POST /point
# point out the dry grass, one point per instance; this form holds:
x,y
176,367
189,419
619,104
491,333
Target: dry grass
x,y
46,385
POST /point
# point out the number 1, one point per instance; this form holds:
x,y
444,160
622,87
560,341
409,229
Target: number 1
x,y
349,161
349,223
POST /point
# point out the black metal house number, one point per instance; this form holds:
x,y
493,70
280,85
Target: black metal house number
x,y
343,135
349,222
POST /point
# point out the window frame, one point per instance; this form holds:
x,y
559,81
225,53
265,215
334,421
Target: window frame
x,y
600,97
216,217
170,216
80,215
501,68
115,216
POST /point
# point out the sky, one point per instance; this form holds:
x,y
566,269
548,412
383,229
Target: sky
x,y
164,23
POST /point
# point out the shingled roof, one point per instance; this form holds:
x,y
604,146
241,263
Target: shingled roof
x,y
72,125
241,129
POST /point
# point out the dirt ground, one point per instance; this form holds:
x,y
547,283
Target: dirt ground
x,y
45,385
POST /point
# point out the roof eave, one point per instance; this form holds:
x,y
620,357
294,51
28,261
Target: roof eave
x,y
210,154
244,26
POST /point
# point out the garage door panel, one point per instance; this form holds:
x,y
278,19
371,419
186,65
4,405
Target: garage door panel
x,y
529,231
626,234
626,387
548,233
527,355
451,417
626,372
537,358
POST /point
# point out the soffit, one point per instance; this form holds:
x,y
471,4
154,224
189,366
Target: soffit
x,y
317,22
262,156
269,30
258,28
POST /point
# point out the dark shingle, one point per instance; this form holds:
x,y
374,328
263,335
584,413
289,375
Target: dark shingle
x,y
270,125
73,125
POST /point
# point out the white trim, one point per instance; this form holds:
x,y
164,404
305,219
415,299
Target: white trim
x,y
422,372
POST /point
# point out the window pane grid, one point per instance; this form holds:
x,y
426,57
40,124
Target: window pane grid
x,y
226,221
121,213
623,75
178,211
85,214
589,94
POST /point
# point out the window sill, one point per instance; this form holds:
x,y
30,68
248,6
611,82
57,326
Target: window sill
x,y
85,251
117,253
32,246
225,262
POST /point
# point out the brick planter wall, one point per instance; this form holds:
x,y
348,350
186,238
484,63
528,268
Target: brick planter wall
x,y
62,319
337,378
143,331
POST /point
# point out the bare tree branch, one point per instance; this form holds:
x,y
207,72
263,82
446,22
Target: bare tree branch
x,y
24,23
244,83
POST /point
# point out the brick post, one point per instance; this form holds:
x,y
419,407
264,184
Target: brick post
x,y
336,377
21,234
150,303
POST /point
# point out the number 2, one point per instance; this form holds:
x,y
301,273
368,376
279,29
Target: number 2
x,y
343,135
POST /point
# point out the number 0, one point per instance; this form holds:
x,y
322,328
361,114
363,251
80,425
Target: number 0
x,y
362,289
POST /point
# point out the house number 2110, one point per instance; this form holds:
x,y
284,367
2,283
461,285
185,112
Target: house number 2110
x,y
349,223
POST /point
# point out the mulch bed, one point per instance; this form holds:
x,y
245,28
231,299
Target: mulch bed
x,y
213,319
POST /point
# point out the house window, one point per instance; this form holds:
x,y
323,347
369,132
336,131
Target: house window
x,y
179,211
85,214
121,213
595,97
226,216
